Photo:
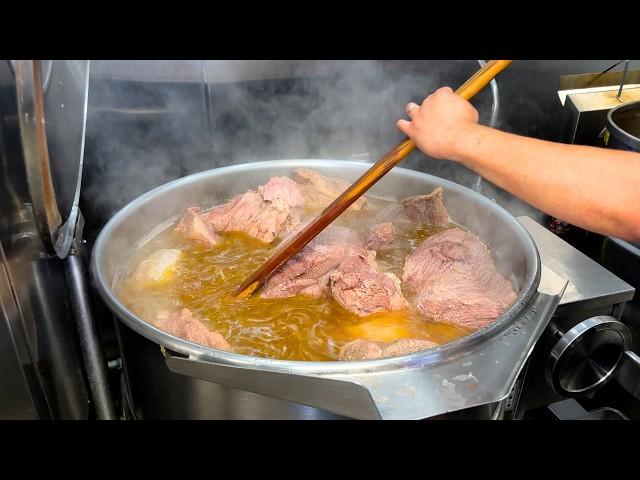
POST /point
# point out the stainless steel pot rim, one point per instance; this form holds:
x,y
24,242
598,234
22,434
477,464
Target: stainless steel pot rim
x,y
619,132
442,353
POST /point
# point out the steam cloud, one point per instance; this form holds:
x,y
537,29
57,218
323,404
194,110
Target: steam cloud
x,y
202,115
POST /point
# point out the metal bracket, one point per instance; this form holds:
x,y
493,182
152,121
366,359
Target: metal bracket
x,y
58,234
628,374
570,409
342,397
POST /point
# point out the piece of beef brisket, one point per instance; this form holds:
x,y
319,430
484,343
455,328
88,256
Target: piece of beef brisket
x,y
319,190
308,272
381,236
418,210
266,214
183,324
456,280
427,209
193,226
360,287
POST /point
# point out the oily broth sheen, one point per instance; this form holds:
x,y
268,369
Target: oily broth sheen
x,y
295,328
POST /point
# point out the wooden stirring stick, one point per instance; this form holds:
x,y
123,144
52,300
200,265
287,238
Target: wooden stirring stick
x,y
287,250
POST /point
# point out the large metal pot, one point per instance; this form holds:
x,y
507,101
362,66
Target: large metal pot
x,y
623,127
172,378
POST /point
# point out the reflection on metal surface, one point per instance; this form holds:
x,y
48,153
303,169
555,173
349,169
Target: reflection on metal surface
x,y
337,396
36,152
45,74
20,401
66,103
570,409
54,160
34,295
604,414
628,375
53,151
587,356
90,346
495,109
590,284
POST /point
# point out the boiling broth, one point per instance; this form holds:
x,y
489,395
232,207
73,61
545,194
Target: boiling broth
x,y
295,328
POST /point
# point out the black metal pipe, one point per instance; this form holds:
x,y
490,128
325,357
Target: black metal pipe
x,y
93,356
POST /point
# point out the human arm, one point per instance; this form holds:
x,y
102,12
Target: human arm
x,y
594,188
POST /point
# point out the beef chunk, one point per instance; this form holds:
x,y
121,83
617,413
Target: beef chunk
x,y
360,287
266,214
193,226
320,191
184,325
419,210
367,350
157,267
392,213
456,280
282,192
308,272
427,209
381,236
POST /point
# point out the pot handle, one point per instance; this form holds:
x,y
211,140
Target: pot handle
x,y
341,397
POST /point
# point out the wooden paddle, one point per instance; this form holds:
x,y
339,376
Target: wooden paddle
x,y
288,249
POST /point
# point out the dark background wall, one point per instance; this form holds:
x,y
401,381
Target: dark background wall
x,y
153,121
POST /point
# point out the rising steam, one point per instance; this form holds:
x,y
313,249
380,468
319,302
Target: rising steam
x,y
150,122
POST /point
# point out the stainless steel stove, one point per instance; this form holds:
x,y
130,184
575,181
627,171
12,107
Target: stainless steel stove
x,y
585,354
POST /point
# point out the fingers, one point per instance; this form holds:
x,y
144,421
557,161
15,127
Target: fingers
x,y
405,127
411,109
